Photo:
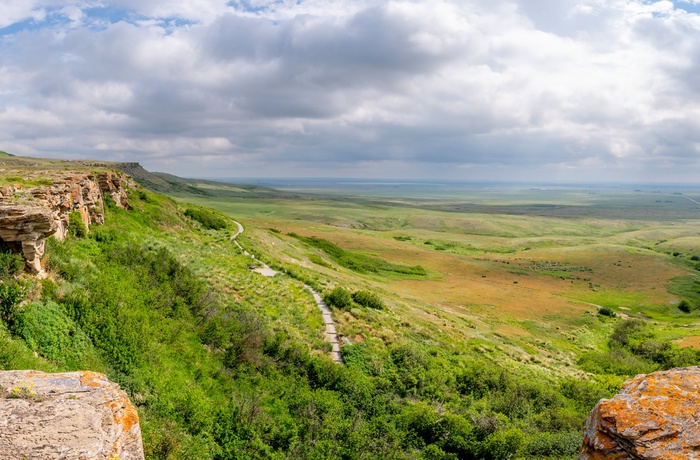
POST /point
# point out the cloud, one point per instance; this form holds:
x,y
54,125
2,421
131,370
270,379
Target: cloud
x,y
14,11
451,89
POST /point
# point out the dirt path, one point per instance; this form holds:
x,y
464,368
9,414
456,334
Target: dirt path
x,y
330,334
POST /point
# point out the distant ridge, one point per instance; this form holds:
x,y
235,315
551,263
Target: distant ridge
x,y
171,184
158,182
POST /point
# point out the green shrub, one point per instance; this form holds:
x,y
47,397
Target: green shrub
x,y
357,262
11,295
47,329
318,261
684,306
368,299
605,311
76,226
208,218
10,264
563,444
339,298
14,354
103,236
634,348
143,196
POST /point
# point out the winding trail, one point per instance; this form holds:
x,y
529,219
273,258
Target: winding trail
x,y
330,335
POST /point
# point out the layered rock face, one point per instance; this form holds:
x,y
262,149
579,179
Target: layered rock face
x,y
655,416
28,216
79,415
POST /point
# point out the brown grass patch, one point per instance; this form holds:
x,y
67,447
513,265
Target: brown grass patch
x,y
689,342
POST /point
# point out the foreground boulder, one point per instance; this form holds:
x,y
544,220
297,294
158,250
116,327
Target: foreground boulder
x,y
655,416
75,415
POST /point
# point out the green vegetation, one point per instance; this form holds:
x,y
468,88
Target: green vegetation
x,y
12,290
218,376
368,299
635,347
10,263
208,218
483,344
339,298
685,307
76,226
358,262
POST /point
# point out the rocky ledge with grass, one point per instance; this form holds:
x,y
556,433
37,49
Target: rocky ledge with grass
x,y
69,415
28,215
655,416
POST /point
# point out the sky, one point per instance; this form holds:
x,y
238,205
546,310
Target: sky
x,y
521,90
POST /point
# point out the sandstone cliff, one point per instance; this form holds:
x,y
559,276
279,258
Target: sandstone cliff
x,y
79,415
28,215
655,416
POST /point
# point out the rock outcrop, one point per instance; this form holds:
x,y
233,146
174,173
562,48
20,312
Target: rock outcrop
x,y
29,216
655,416
79,415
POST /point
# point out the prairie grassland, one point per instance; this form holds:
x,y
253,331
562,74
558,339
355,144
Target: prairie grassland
x,y
515,274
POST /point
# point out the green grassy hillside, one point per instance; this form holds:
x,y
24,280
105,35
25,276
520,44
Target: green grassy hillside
x,y
452,360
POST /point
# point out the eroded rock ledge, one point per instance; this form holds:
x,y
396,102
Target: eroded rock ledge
x,y
80,415
29,215
655,416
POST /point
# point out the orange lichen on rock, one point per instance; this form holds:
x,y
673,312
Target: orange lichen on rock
x,y
655,416
69,415
92,379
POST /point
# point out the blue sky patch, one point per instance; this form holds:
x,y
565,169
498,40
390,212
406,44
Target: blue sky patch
x,y
687,6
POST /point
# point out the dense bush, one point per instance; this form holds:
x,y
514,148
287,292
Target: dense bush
x,y
368,299
208,218
563,444
76,226
10,263
684,306
339,298
46,327
634,348
12,291
359,262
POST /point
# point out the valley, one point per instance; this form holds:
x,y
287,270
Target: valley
x,y
521,279
473,322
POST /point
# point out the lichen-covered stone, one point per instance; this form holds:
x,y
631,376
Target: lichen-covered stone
x,y
74,415
655,416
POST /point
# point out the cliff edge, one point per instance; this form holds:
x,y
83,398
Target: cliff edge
x,y
655,416
71,415
28,215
